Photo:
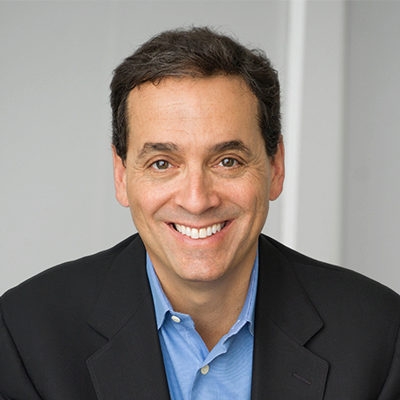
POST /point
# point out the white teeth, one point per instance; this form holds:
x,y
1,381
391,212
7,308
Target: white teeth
x,y
201,233
195,233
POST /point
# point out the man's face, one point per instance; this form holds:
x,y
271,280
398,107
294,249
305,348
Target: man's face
x,y
197,179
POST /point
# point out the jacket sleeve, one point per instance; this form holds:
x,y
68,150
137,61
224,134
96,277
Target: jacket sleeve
x,y
391,388
15,383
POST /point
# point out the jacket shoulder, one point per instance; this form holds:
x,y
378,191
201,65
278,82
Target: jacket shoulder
x,y
70,284
339,286
359,334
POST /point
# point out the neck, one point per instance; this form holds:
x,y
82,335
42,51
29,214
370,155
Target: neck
x,y
213,306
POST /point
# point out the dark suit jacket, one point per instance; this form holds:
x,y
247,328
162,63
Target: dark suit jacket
x,y
86,330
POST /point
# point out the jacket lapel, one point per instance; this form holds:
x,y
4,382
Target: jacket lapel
x,y
130,364
285,320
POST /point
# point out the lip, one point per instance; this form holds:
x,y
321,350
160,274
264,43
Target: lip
x,y
216,237
200,226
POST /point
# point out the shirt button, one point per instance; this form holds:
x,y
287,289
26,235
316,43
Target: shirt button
x,y
175,319
205,370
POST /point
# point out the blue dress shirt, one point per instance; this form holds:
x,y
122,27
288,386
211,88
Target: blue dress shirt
x,y
193,372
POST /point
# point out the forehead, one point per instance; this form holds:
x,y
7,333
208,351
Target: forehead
x,y
197,110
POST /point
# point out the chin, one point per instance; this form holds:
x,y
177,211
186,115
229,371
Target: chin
x,y
200,272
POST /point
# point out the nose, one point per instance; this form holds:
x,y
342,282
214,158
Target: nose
x,y
197,192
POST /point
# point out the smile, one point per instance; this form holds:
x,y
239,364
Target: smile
x,y
201,233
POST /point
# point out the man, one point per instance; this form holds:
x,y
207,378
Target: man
x,y
198,305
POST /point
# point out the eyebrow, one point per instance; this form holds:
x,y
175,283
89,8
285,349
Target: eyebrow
x,y
170,147
231,145
150,147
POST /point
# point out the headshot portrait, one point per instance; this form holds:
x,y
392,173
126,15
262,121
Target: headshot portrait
x,y
200,200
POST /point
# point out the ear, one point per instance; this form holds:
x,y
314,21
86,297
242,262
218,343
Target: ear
x,y
120,179
277,171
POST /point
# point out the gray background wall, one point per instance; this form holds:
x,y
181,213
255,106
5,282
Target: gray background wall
x,y
57,200
371,216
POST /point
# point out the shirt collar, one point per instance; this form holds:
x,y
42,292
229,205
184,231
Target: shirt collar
x,y
248,310
162,305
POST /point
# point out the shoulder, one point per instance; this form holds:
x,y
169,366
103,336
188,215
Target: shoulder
x,y
73,284
335,288
360,320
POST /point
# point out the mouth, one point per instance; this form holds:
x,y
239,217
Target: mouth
x,y
199,233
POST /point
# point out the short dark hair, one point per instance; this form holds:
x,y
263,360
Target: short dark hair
x,y
196,52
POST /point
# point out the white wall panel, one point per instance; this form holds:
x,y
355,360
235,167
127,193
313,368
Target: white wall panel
x,y
372,141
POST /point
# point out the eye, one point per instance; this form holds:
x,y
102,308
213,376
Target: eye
x,y
160,165
229,162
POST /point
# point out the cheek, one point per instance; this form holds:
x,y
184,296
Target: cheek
x,y
146,197
251,195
